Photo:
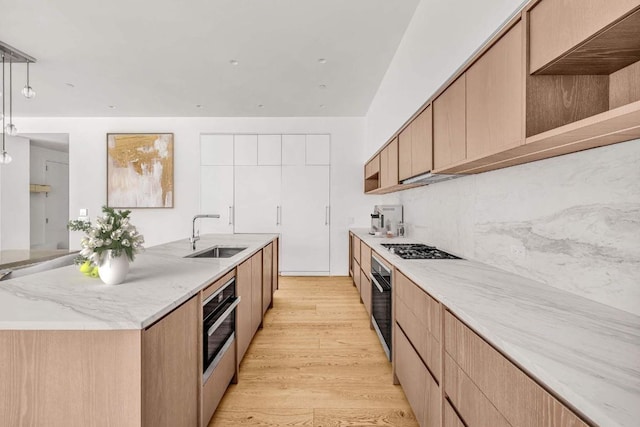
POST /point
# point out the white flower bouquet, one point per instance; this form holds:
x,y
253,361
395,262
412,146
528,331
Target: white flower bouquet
x,y
112,231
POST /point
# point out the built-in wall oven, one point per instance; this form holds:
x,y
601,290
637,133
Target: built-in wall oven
x,y
381,302
218,325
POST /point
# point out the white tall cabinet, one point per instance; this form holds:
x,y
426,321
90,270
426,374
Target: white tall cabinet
x,y
271,184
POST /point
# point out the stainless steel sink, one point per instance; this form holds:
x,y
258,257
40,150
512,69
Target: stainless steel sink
x,y
217,252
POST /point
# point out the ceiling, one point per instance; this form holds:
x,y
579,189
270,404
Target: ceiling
x,y
101,58
50,141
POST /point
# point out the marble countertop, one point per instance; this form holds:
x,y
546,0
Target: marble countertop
x,y
12,258
159,280
586,352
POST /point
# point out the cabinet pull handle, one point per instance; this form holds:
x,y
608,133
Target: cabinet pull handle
x,y
277,215
326,215
230,215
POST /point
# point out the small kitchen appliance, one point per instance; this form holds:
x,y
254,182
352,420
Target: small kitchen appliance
x,y
385,218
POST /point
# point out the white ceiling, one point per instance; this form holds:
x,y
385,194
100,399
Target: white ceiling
x,y
51,141
163,57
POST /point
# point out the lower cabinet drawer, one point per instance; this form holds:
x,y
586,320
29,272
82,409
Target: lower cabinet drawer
x,y
356,275
472,405
365,290
216,385
451,419
419,386
513,393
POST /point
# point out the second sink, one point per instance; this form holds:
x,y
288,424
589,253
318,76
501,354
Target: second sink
x,y
217,252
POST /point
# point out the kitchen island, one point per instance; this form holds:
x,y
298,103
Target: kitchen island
x,y
77,352
584,353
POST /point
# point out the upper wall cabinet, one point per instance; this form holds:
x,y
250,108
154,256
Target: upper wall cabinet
x,y
269,150
216,150
562,36
415,146
449,119
318,150
560,77
495,115
389,165
294,150
245,150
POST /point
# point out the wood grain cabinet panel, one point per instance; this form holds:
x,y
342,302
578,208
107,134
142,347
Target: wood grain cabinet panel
x,y
365,290
405,152
419,316
557,27
392,163
365,257
170,368
256,292
355,250
275,269
267,277
422,142
451,419
357,276
216,385
472,405
384,168
494,96
419,387
449,125
514,394
244,334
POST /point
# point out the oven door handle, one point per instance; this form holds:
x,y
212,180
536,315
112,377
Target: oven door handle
x,y
375,282
224,316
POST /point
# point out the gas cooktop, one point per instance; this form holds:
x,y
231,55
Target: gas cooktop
x,y
417,251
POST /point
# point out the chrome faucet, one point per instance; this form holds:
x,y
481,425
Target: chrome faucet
x,y
195,237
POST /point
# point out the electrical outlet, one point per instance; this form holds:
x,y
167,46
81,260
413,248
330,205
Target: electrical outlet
x,y
84,212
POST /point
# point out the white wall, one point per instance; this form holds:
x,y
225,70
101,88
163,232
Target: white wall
x,y
572,222
39,157
87,168
14,196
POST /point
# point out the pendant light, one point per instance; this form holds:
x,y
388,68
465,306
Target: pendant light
x,y
11,129
5,158
27,90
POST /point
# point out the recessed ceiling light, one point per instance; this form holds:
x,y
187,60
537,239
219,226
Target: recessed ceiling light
x,y
260,106
70,84
198,105
321,105
233,62
322,86
113,107
322,61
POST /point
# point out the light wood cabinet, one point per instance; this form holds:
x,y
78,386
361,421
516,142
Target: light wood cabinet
x,y
170,374
418,314
420,388
449,125
365,290
243,311
275,269
372,174
415,146
357,277
389,165
216,385
355,251
495,97
473,369
558,27
267,277
256,292
451,419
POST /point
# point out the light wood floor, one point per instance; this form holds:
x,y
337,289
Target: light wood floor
x,y
315,363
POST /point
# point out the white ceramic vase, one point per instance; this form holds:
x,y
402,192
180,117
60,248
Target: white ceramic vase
x,y
113,269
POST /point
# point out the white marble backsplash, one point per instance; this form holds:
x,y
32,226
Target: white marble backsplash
x,y
572,221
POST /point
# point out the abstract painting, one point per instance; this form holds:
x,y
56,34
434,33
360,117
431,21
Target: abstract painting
x,y
140,170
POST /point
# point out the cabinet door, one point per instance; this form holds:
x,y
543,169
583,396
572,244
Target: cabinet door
x,y
556,27
294,150
404,153
355,250
449,126
245,150
243,311
305,219
256,292
419,386
216,197
384,167
495,116
422,142
170,369
318,150
365,290
216,150
392,163
269,150
257,199
267,276
275,270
